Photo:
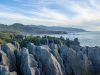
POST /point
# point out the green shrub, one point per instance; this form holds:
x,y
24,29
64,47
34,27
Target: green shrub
x,y
1,41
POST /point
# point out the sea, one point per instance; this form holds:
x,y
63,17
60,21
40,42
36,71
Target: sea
x,y
91,39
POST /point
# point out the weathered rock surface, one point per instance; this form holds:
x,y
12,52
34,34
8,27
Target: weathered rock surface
x,y
77,62
49,63
94,56
55,52
28,63
4,70
4,59
49,59
9,50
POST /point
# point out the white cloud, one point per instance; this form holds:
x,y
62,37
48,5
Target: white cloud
x,y
50,14
58,20
86,14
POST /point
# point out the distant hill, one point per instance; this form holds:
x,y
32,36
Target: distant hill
x,y
38,29
66,29
27,29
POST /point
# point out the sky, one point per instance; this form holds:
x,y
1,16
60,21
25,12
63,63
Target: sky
x,y
66,13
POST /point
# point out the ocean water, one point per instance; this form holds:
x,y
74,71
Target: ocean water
x,y
86,38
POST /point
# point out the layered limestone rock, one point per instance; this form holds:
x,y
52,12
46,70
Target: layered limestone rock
x,y
28,64
32,49
76,63
94,56
51,59
55,52
9,50
50,65
4,70
4,59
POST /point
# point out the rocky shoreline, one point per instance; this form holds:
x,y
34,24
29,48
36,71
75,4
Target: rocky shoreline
x,y
50,59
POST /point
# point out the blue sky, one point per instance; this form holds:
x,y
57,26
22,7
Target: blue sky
x,y
68,13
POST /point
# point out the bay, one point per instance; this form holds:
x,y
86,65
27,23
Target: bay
x,y
85,38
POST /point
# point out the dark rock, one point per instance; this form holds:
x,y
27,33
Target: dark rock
x,y
94,56
51,59
54,51
4,59
28,64
4,70
76,62
9,50
50,65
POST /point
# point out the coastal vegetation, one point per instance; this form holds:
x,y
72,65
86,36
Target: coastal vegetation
x,y
6,37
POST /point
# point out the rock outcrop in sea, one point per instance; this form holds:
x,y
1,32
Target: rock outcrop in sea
x,y
51,59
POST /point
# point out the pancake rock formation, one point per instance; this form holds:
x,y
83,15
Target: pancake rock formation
x,y
50,59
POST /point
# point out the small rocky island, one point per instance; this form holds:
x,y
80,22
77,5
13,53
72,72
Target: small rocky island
x,y
48,56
